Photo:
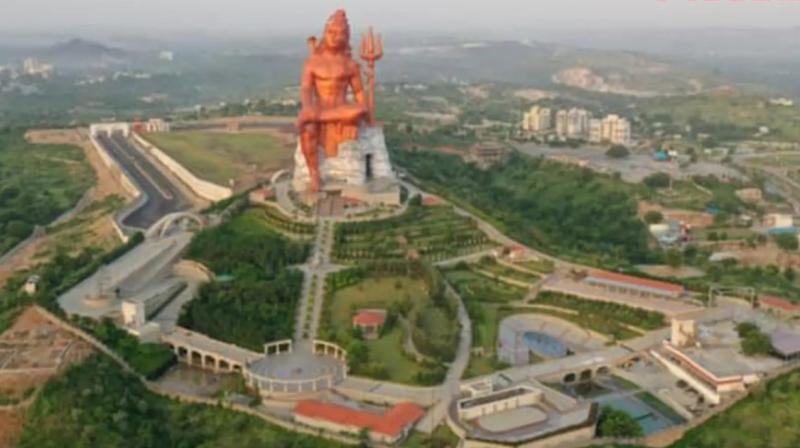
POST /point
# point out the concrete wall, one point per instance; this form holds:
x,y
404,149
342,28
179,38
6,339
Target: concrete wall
x,y
710,395
528,399
202,188
127,184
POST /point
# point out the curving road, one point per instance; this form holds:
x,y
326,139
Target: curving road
x,y
163,197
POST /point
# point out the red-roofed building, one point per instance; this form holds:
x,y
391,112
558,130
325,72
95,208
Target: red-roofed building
x,y
779,306
431,201
627,284
389,427
370,322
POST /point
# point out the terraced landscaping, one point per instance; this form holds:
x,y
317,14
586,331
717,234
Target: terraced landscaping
x,y
428,233
282,222
499,271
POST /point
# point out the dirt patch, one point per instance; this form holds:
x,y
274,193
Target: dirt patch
x,y
534,94
94,227
11,424
33,350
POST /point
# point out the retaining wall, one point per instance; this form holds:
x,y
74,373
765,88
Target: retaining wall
x,y
200,187
128,185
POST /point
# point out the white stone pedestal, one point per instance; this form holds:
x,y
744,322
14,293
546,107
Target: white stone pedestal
x,y
348,171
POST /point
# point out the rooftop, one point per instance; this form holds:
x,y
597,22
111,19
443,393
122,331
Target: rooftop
x,y
722,362
391,423
785,343
777,302
369,318
636,281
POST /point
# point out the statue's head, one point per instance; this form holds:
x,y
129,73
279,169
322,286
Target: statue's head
x,y
337,32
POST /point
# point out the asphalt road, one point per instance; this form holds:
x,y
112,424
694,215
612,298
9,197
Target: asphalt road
x,y
163,197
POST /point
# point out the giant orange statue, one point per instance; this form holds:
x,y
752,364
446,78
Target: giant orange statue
x,y
326,117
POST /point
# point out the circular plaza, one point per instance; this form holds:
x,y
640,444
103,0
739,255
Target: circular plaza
x,y
289,370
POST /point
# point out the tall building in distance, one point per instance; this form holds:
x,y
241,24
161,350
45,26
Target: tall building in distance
x,y
578,123
33,67
562,123
538,119
611,129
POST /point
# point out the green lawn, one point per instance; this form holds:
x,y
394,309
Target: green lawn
x,y
385,356
219,157
388,351
374,293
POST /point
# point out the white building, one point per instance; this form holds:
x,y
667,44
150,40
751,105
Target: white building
x,y
611,129
33,67
537,119
778,221
578,123
562,123
156,125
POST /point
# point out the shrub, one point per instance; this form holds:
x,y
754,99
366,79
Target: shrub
x,y
618,152
653,217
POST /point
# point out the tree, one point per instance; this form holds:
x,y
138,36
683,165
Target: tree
x,y
653,217
657,180
674,258
618,152
614,423
786,241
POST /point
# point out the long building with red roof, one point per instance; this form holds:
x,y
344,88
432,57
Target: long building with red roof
x,y
779,306
628,284
389,427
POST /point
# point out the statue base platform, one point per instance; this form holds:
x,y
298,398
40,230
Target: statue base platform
x,y
361,172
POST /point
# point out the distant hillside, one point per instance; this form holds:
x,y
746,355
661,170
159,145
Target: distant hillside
x,y
540,64
79,48
77,53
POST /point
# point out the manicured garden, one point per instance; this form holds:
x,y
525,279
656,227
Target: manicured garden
x,y
428,233
416,310
282,222
635,317
219,157
489,266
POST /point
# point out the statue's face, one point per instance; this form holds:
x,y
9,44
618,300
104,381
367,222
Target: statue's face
x,y
336,36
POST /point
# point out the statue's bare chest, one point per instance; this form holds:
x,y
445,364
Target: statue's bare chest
x,y
332,70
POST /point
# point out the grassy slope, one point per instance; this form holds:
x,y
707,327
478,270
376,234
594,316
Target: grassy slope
x,y
37,184
96,405
219,157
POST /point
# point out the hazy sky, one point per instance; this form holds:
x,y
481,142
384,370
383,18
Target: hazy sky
x,y
238,17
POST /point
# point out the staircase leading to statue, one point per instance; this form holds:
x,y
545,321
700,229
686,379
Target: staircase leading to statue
x,y
313,294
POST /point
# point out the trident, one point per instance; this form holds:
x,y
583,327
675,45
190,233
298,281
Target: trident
x,y
371,51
